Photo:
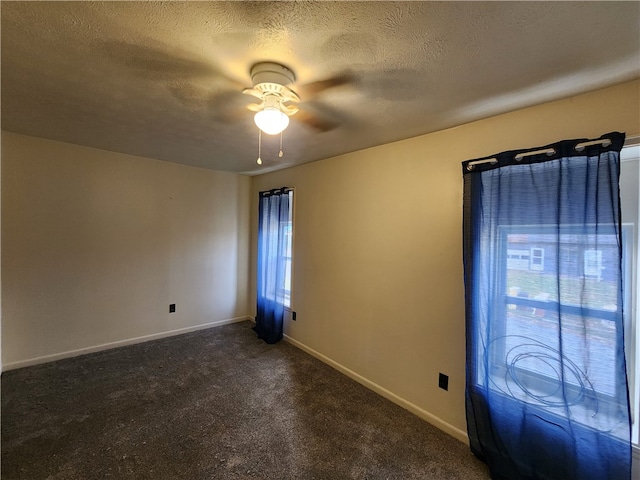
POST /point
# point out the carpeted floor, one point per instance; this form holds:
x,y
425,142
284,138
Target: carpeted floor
x,y
213,404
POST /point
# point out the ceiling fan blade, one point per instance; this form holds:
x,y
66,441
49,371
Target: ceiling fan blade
x,y
156,63
230,106
255,107
317,122
252,91
187,94
322,117
310,89
164,63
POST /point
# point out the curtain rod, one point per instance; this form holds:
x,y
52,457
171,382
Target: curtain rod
x,y
274,191
546,151
470,165
632,140
605,142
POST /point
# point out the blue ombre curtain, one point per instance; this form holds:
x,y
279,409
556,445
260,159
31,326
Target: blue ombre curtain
x,y
546,393
271,270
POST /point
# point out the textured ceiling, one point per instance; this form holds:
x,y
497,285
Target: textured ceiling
x,y
163,79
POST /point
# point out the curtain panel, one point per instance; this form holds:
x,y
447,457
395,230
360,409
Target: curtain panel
x,y
546,384
273,217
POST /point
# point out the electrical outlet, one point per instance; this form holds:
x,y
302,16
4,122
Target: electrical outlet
x,y
443,381
172,308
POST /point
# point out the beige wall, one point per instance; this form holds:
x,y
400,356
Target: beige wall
x,y
378,279
96,245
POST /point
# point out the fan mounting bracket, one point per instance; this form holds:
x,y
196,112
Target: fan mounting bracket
x,y
271,72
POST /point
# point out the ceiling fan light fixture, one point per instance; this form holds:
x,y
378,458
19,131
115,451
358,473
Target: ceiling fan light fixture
x,y
271,120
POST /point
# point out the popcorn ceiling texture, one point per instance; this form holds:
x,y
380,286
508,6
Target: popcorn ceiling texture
x,y
163,79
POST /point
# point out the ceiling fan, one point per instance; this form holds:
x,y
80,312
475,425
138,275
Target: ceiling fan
x,y
272,85
277,101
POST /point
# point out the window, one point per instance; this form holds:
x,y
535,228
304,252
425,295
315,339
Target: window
x,y
525,274
273,269
287,229
546,388
593,263
530,261
277,240
629,197
537,259
530,309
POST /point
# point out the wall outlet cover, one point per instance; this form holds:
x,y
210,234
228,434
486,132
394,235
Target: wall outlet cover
x,y
443,381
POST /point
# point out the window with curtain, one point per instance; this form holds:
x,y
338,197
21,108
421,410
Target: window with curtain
x,y
547,393
275,235
630,199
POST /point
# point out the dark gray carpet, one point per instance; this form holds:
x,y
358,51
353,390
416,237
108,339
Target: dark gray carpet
x,y
214,404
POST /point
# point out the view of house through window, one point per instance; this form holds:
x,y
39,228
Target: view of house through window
x,y
532,308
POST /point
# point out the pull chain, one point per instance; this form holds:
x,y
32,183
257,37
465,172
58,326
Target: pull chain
x,y
280,153
259,161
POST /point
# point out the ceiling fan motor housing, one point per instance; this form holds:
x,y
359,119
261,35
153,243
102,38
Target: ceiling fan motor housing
x,y
269,72
269,85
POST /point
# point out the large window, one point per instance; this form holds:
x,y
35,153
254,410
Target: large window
x,y
277,246
545,259
583,261
528,273
273,269
630,200
288,253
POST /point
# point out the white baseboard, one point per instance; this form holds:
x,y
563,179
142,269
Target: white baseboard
x,y
407,405
120,343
